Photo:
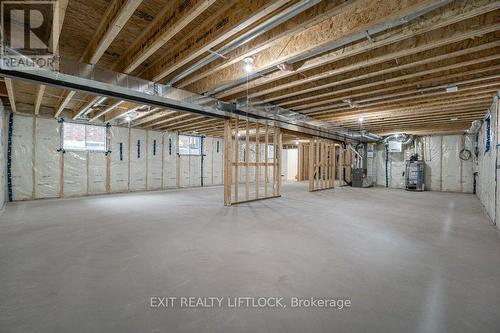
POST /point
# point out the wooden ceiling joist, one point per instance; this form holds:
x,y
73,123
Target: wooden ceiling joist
x,y
160,32
89,102
303,20
355,19
151,118
141,115
416,54
121,111
115,18
171,126
64,103
232,21
423,75
391,92
445,62
39,97
195,125
435,107
418,98
443,17
10,92
168,120
107,109
323,102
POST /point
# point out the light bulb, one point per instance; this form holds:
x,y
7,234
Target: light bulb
x,y
248,67
248,64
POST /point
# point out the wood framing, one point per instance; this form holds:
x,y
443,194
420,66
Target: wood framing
x,y
161,31
303,162
117,14
248,13
322,166
66,99
10,93
244,164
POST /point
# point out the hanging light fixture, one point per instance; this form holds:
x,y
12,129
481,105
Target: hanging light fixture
x,y
248,64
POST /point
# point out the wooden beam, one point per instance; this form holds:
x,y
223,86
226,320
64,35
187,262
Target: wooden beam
x,y
436,106
38,99
180,124
61,7
119,112
107,109
141,115
423,74
427,66
160,32
152,117
10,92
417,87
168,120
117,14
64,102
353,20
89,101
409,53
361,90
416,98
307,18
445,17
197,124
170,126
236,18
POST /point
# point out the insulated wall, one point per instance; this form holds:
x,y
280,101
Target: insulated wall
x,y
47,158
170,158
3,179
119,141
136,160
487,165
154,152
444,170
212,161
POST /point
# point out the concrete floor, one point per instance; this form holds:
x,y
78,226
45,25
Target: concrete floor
x,y
409,262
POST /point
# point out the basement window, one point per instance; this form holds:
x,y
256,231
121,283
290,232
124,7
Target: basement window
x,y
83,137
189,145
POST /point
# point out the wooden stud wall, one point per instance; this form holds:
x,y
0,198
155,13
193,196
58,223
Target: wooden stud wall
x,y
322,164
303,160
258,182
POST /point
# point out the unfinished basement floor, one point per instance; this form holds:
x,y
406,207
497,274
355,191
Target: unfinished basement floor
x,y
409,262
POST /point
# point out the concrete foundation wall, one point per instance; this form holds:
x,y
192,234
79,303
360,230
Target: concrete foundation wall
x,y
487,165
444,170
138,160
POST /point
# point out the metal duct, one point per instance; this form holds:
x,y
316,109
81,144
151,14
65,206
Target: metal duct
x,y
335,44
274,21
403,138
360,136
